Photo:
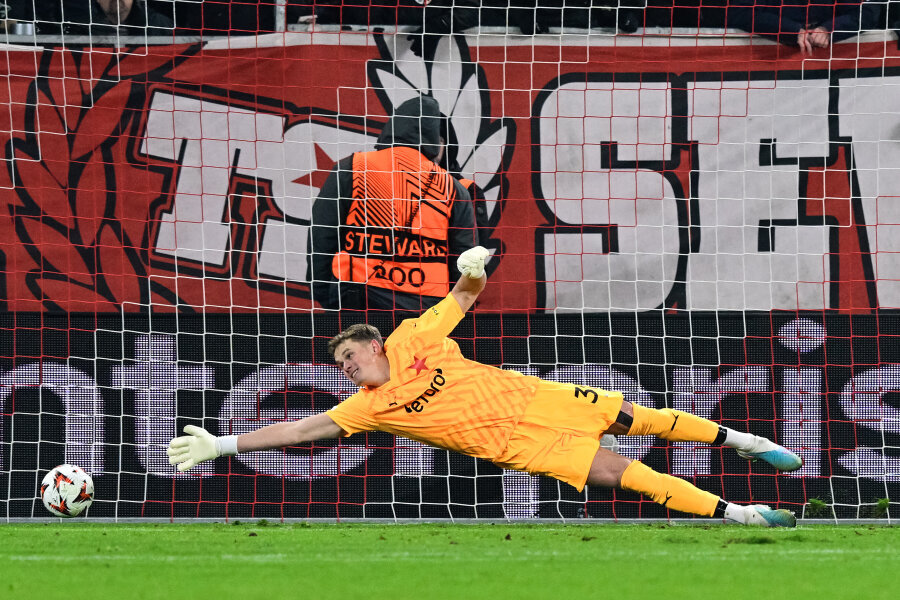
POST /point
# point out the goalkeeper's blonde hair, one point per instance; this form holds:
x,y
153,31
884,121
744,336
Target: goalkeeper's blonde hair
x,y
360,332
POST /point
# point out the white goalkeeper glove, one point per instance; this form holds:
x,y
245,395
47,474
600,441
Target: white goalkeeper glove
x,y
199,445
471,262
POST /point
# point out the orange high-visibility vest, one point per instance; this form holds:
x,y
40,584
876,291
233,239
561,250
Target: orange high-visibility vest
x,y
396,232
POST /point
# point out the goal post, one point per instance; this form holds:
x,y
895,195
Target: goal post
x,y
703,220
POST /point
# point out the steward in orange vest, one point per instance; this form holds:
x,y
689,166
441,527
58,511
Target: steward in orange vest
x,y
388,225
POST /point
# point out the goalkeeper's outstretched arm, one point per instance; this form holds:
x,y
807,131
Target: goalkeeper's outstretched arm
x,y
472,280
200,445
291,433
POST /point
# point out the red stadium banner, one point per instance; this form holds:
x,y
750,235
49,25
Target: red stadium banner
x,y
618,177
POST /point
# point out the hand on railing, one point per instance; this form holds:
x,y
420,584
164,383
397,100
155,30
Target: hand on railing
x,y
808,39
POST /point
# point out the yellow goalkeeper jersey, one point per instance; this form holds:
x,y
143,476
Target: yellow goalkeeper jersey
x,y
437,396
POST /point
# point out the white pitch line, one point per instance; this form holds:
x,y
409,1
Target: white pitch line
x,y
147,558
734,552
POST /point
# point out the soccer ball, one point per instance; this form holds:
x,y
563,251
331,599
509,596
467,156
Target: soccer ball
x,y
67,491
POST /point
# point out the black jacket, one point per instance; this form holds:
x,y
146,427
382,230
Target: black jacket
x,y
85,17
415,124
782,20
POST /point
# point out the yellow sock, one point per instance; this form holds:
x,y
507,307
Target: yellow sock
x,y
669,491
672,425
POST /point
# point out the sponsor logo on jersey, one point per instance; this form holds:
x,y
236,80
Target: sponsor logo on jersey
x,y
437,382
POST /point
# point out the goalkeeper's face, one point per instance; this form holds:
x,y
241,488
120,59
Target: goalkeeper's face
x,y
364,363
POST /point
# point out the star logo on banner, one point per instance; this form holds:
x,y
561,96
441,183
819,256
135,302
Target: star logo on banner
x,y
317,178
418,364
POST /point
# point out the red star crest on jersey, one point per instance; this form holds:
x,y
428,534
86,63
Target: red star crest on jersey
x,y
418,364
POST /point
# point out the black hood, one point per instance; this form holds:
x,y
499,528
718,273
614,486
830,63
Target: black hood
x,y
415,123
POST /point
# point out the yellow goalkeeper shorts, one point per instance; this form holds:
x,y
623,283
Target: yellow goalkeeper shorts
x,y
559,433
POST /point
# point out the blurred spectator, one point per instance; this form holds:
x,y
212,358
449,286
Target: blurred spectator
x,y
686,13
225,17
157,17
442,17
16,17
113,17
102,17
357,12
806,24
538,17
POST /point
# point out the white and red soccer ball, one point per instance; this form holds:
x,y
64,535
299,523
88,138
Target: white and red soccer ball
x,y
67,491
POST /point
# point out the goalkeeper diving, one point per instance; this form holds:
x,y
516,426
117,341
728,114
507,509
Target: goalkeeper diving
x,y
417,384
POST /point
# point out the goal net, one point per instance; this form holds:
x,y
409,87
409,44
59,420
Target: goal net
x,y
703,219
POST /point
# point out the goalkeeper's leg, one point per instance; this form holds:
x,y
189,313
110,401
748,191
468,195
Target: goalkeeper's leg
x,y
679,426
612,470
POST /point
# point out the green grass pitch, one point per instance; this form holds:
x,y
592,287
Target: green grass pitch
x,y
434,561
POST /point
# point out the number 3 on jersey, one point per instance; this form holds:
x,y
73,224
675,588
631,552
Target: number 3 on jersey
x,y
581,392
